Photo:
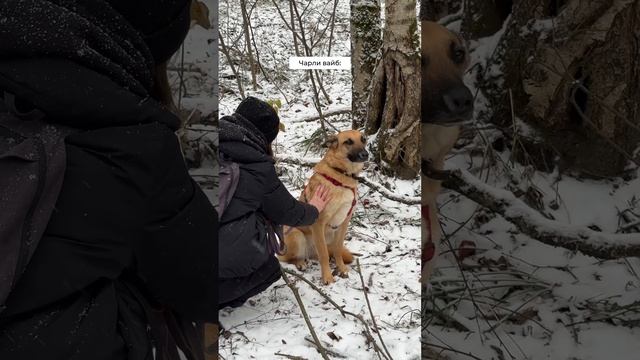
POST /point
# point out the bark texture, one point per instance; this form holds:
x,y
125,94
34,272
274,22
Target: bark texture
x,y
366,41
571,69
394,104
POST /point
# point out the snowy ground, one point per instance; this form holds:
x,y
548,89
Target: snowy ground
x,y
198,98
386,233
518,298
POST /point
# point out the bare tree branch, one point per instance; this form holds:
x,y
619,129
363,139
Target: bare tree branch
x,y
343,312
296,293
373,318
530,222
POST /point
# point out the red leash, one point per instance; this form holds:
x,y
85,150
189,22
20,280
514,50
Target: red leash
x,y
429,248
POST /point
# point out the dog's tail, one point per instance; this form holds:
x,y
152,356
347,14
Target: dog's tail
x,y
347,256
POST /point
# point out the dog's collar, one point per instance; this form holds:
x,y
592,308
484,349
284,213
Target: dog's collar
x,y
336,182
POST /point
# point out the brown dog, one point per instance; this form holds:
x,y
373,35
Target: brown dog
x,y
446,104
337,170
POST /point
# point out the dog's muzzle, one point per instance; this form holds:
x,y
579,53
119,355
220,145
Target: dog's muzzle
x,y
360,156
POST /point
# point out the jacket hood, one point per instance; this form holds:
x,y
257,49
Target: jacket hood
x,y
90,33
242,141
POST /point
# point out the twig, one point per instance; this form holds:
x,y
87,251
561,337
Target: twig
x,y
225,50
321,350
325,115
612,143
343,312
292,357
412,200
453,350
373,318
329,351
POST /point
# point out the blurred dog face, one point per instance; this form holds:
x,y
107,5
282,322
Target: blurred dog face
x,y
349,145
445,98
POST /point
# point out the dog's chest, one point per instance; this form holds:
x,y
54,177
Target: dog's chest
x,y
341,206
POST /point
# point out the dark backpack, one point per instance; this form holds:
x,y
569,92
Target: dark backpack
x,y
228,182
32,167
227,186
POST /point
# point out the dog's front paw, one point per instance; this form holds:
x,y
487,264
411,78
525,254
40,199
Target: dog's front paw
x,y
327,278
301,264
343,272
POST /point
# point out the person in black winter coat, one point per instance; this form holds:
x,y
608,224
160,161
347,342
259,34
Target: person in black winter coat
x,y
260,205
132,234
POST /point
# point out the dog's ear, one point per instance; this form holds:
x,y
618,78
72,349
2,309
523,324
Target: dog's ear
x,y
332,141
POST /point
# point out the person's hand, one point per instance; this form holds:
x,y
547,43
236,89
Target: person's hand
x,y
320,198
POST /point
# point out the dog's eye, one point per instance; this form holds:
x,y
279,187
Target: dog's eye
x,y
363,140
348,142
458,53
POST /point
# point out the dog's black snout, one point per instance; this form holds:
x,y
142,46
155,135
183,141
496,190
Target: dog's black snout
x,y
363,155
459,101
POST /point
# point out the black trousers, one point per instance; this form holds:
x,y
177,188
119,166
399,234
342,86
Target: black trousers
x,y
236,291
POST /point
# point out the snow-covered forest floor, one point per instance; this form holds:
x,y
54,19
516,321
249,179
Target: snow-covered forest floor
x,y
195,67
517,298
385,233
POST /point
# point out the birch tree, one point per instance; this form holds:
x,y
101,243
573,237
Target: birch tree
x,y
366,41
394,104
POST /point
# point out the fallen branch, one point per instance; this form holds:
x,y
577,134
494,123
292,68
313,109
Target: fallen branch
x,y
407,200
446,348
291,357
430,354
318,345
343,312
310,162
373,318
329,351
530,222
324,115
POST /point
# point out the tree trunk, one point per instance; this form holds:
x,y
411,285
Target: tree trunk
x,y
247,38
293,29
434,10
366,41
573,72
394,103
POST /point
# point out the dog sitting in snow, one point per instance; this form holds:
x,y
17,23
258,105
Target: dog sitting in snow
x,y
446,104
338,171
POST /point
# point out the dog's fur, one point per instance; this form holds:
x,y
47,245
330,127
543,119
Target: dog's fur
x,y
440,72
326,236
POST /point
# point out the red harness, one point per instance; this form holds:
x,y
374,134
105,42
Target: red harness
x,y
429,249
338,183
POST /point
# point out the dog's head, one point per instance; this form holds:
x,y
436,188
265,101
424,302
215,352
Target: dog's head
x,y
349,146
445,98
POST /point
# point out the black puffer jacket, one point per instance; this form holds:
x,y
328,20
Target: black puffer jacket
x,y
246,264
128,216
127,205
